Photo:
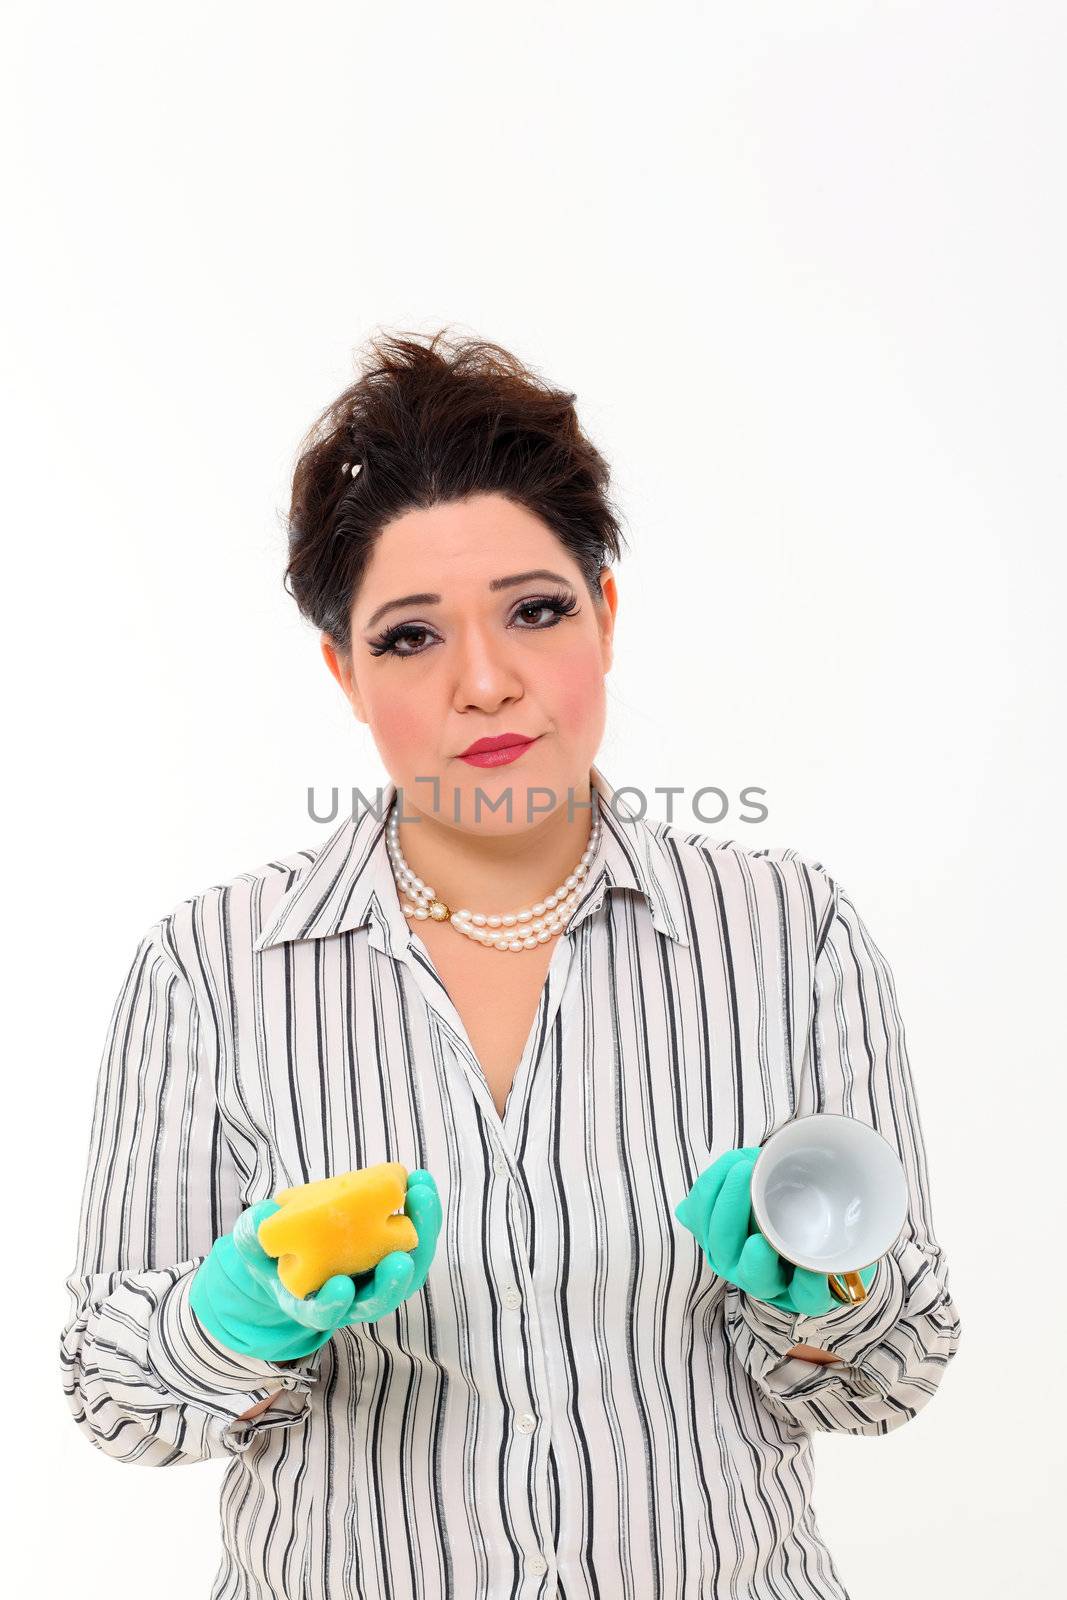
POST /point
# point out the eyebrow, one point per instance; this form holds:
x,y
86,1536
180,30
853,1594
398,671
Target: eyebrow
x,y
495,583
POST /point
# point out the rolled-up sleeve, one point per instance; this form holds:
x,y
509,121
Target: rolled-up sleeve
x,y
144,1380
894,1346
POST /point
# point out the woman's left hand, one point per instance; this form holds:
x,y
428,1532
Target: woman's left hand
x,y
718,1212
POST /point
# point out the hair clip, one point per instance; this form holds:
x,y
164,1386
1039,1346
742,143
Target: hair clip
x,y
356,466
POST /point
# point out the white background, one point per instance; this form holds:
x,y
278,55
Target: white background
x,y
803,264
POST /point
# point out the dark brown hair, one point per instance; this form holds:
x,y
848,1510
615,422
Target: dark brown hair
x,y
431,425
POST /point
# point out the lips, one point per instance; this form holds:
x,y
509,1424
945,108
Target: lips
x,y
499,741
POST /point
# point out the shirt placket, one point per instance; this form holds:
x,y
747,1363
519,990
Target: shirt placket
x,y
531,1415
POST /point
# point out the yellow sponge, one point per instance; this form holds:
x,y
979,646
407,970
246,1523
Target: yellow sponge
x,y
341,1224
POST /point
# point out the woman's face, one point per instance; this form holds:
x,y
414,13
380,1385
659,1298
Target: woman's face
x,y
431,675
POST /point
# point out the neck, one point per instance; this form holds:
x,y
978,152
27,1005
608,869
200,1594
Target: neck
x,y
501,873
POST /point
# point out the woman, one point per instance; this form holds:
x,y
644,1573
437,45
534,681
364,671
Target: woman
x,y
564,1013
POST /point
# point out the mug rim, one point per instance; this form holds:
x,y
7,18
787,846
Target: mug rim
x,y
810,1116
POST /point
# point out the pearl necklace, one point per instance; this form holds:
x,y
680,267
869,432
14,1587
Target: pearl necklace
x,y
517,930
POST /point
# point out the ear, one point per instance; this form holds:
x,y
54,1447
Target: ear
x,y
339,662
607,614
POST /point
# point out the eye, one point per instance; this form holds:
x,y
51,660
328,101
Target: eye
x,y
559,604
385,644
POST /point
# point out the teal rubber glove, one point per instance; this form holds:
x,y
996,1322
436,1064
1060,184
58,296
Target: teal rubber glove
x,y
239,1298
718,1212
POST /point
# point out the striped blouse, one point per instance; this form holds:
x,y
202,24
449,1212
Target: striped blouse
x,y
574,1405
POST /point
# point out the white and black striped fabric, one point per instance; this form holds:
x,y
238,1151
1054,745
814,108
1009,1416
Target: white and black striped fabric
x,y
575,1405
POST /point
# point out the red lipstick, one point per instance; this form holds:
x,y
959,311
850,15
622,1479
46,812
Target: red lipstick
x,y
497,751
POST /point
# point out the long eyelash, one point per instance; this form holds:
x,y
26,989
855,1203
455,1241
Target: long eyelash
x,y
559,601
385,641
564,604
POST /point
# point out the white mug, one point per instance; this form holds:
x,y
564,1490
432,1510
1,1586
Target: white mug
x,y
830,1194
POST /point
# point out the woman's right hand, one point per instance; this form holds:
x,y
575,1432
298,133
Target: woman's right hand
x,y
240,1306
239,1297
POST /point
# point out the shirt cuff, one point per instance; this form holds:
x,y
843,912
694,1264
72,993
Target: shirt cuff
x,y
194,1367
848,1331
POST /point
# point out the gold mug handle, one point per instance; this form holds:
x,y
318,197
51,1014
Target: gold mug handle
x,y
847,1286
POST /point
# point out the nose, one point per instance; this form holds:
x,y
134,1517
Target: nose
x,y
485,677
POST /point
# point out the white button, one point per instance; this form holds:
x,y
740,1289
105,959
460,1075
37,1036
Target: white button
x,y
538,1564
500,1166
527,1422
512,1296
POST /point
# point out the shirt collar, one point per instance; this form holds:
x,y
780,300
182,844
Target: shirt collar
x,y
349,882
